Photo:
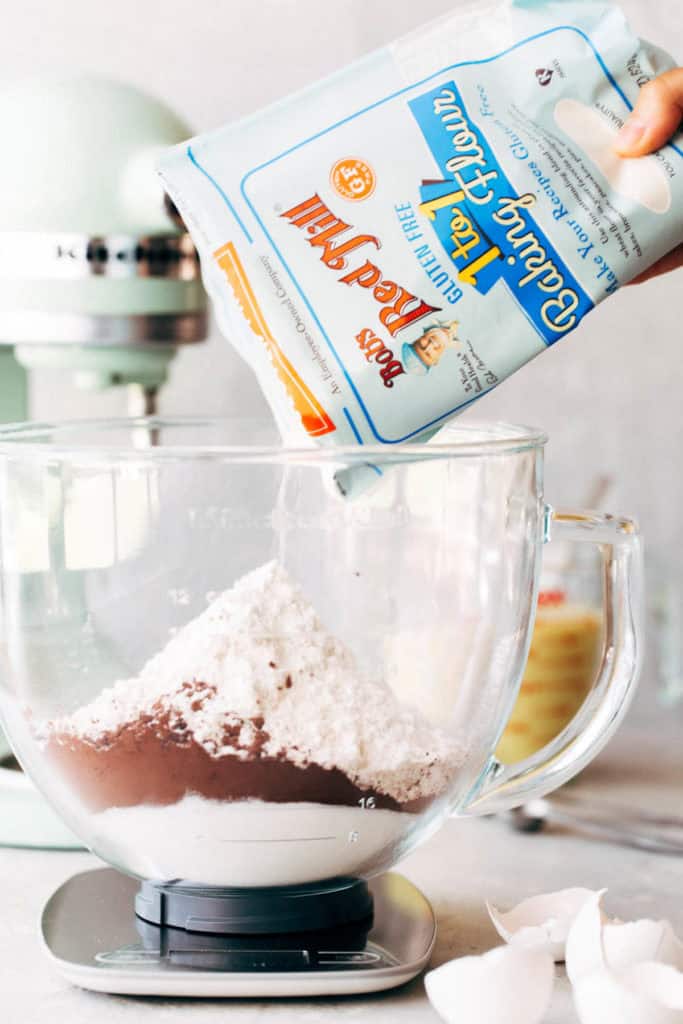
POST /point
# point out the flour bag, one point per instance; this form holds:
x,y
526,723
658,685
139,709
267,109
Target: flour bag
x,y
386,246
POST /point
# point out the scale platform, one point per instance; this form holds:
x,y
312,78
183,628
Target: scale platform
x,y
94,939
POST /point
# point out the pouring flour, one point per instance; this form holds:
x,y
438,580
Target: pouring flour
x,y
388,245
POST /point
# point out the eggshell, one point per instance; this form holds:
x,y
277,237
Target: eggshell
x,y
509,985
541,922
625,944
594,942
646,993
624,973
585,953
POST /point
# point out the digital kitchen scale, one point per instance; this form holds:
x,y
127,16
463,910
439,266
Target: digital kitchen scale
x,y
94,933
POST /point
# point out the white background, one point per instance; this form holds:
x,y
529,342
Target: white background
x,y
611,396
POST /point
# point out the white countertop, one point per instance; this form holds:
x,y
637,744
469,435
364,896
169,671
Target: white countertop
x,y
468,862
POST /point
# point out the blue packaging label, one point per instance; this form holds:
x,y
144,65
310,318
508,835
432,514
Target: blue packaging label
x,y
485,227
387,246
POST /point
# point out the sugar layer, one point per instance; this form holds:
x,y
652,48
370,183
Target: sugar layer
x,y
250,842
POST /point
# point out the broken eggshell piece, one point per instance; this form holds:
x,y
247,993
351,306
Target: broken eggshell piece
x,y
596,941
626,944
584,952
647,993
624,972
508,985
541,922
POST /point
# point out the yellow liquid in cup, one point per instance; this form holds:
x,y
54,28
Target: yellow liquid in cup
x,y
563,659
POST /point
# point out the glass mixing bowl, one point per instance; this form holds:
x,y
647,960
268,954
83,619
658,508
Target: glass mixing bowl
x,y
218,670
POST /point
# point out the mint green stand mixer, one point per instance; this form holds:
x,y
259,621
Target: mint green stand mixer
x,y
98,280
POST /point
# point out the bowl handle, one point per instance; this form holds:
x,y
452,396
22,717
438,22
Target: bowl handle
x,y
506,786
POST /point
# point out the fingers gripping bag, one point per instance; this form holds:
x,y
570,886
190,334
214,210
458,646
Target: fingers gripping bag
x,y
386,246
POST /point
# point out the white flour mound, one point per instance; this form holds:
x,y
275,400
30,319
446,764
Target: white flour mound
x,y
263,648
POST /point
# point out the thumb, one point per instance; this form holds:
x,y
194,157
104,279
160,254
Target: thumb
x,y
656,117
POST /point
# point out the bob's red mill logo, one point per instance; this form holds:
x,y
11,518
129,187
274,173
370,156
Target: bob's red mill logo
x,y
337,242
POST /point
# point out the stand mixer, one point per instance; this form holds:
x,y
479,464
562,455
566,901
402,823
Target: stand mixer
x,y
98,280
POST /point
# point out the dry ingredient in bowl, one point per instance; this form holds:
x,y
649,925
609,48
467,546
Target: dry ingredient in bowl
x,y
250,751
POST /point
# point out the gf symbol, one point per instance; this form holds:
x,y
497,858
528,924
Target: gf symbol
x,y
544,76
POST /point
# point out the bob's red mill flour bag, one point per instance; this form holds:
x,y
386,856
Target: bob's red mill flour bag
x,y
386,246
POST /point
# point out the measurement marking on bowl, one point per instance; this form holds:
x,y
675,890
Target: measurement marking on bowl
x,y
301,839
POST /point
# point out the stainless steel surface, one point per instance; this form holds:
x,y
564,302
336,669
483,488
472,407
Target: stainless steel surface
x,y
39,256
92,935
610,822
36,327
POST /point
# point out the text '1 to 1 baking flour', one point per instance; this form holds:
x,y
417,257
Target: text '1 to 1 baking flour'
x,y
251,751
388,245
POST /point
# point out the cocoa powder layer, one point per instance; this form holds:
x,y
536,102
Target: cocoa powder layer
x,y
154,760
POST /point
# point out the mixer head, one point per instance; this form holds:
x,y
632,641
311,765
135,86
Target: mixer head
x,y
97,273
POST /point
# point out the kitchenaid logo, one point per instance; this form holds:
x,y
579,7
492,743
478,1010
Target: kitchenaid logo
x,y
337,241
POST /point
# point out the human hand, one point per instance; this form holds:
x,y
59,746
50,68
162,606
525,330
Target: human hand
x,y
655,118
